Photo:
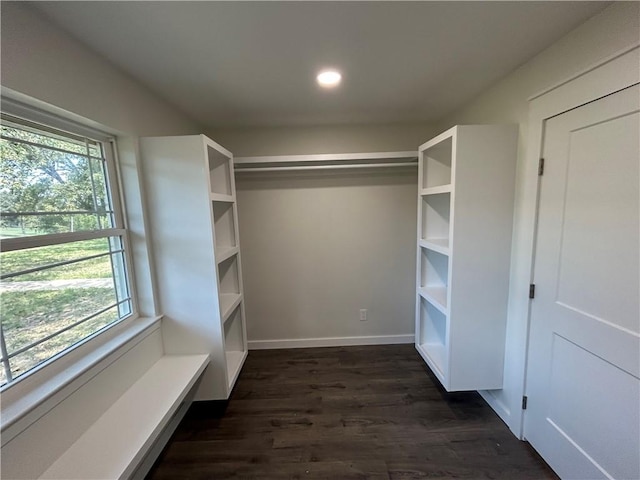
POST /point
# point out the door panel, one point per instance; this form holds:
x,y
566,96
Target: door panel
x,y
584,351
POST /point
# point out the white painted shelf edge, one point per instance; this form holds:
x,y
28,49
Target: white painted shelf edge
x,y
223,253
438,139
221,197
330,157
436,190
216,146
235,360
436,296
116,443
228,303
440,245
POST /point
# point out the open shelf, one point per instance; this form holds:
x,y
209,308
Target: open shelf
x,y
440,245
436,296
435,218
436,167
206,262
234,345
465,198
219,172
219,197
229,276
228,302
434,278
436,190
224,227
230,295
223,253
433,334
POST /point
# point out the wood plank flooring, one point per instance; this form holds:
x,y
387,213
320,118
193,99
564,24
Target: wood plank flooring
x,y
372,412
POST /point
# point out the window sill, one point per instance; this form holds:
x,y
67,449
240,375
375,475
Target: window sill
x,y
28,399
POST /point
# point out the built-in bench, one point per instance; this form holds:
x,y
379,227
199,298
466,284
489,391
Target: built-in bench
x,y
126,439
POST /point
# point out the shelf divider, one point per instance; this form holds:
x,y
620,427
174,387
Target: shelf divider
x,y
440,245
228,303
223,253
436,190
221,197
436,296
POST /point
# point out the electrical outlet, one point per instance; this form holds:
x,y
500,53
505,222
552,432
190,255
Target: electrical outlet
x,y
363,314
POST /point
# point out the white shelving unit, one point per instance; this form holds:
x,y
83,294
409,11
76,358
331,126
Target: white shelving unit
x,y
193,225
466,179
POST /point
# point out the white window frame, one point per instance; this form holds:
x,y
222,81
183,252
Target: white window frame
x,y
45,121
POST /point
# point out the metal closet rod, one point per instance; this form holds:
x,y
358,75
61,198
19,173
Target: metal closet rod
x,y
326,167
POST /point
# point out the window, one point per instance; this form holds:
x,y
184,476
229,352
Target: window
x,y
63,262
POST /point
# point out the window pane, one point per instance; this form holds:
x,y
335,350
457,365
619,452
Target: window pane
x,y
25,361
69,143
21,260
45,190
54,296
38,304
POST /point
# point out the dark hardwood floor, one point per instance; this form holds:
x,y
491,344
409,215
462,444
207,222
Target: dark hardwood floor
x,y
344,413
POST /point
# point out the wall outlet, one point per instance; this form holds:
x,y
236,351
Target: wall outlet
x,y
363,314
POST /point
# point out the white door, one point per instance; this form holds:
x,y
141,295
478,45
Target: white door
x,y
583,387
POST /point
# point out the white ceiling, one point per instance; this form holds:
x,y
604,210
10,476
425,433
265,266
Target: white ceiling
x,y
254,63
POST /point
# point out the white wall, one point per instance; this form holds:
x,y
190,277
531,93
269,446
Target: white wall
x,y
48,68
41,61
248,142
316,248
506,102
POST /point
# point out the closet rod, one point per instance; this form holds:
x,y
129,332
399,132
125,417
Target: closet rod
x,y
326,167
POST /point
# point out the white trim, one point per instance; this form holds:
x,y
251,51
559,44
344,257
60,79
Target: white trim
x,y
326,167
610,75
328,157
331,342
587,70
216,146
498,406
22,243
21,109
28,399
438,139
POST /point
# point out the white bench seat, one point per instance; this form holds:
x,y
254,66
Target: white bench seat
x,y
118,442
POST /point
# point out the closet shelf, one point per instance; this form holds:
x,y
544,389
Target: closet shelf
x,y
436,190
221,197
440,245
436,296
228,303
223,253
199,276
326,161
465,186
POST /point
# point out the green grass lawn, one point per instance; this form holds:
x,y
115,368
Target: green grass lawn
x,y
35,257
30,315
11,232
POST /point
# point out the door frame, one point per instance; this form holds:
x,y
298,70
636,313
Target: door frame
x,y
607,76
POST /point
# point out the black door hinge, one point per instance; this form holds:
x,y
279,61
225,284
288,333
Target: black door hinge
x,y
524,402
532,290
541,167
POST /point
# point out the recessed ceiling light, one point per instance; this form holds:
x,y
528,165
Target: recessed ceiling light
x,y
329,78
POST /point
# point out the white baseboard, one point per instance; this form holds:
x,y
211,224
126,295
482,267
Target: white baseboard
x,y
330,342
498,406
